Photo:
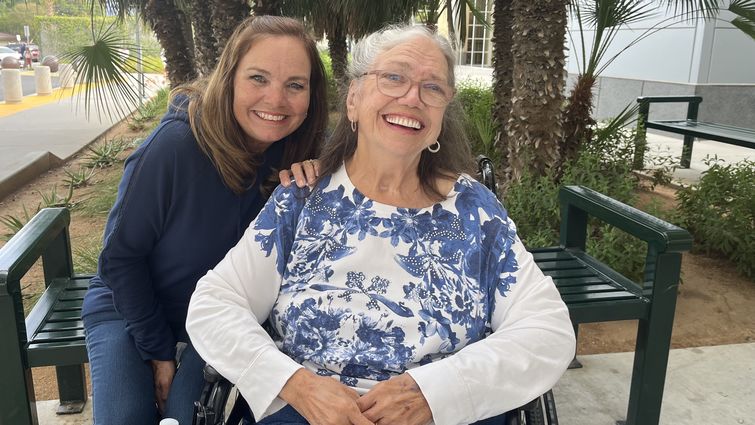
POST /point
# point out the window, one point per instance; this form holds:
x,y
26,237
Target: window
x,y
478,48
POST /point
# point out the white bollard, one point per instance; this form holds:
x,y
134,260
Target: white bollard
x,y
67,76
42,80
12,85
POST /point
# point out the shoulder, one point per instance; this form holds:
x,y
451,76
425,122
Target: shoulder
x,y
172,142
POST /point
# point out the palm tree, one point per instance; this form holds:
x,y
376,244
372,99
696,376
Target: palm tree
x,y
534,126
226,16
205,50
503,66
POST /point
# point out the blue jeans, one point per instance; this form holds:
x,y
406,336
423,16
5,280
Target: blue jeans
x,y
289,416
123,390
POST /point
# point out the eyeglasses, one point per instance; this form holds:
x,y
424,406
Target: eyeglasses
x,y
396,84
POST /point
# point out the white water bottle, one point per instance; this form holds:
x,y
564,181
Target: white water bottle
x,y
168,421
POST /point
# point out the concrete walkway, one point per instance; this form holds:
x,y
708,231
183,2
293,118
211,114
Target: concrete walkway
x,y
42,132
704,386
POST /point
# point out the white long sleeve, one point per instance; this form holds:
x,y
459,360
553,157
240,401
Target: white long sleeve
x,y
530,348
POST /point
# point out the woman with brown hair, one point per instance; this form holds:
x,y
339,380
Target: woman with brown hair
x,y
186,197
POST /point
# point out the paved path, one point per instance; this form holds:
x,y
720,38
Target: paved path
x,y
704,386
43,131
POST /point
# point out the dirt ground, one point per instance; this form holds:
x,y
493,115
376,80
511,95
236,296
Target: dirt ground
x,y
714,306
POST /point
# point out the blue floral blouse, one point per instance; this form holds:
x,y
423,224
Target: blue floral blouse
x,y
363,291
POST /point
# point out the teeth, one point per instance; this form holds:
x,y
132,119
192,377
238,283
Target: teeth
x,y
269,117
404,122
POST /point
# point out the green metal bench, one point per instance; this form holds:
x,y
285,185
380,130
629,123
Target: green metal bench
x,y
52,334
594,292
690,128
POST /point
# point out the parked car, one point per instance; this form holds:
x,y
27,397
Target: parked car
x,y
7,51
33,48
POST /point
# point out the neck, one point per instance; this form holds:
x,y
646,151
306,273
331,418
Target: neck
x,y
390,182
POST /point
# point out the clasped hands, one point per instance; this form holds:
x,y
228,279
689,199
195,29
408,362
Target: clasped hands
x,y
325,401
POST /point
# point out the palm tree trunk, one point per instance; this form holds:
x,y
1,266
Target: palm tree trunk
x,y
534,128
578,118
266,7
338,51
503,68
168,23
226,16
204,38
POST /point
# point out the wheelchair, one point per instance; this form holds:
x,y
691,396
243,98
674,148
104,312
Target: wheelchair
x,y
212,407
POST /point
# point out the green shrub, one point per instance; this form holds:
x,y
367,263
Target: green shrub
x,y
476,100
603,165
332,84
720,212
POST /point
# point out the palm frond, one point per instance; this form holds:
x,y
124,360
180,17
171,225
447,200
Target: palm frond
x,y
693,9
745,20
106,70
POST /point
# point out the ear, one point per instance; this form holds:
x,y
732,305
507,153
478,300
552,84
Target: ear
x,y
351,108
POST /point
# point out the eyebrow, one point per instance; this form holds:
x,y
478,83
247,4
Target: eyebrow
x,y
406,67
267,73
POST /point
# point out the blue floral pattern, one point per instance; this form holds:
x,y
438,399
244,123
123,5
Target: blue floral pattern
x,y
369,291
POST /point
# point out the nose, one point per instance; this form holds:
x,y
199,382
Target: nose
x,y
412,97
275,95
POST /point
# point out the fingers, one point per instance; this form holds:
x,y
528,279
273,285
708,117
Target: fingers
x,y
285,178
357,418
305,173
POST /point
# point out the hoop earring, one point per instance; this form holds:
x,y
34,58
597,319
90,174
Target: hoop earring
x,y
435,147
353,126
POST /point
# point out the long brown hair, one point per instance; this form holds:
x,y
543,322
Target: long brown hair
x,y
210,109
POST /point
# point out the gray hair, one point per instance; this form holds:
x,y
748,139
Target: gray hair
x,y
455,155
367,49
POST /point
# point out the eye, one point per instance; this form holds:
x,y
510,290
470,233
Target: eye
x,y
392,77
433,87
296,86
259,79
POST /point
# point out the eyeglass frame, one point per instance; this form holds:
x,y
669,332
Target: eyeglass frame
x,y
377,72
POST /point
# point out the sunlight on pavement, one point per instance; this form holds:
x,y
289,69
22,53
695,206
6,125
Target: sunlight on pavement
x,y
32,101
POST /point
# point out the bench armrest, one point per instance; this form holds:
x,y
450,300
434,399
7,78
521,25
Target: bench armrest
x,y
579,202
46,236
669,99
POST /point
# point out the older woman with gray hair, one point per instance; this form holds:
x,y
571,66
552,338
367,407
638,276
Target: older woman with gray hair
x,y
396,288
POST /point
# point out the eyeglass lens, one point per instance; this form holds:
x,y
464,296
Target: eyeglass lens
x,y
394,84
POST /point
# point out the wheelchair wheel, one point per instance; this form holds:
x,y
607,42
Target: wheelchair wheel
x,y
541,411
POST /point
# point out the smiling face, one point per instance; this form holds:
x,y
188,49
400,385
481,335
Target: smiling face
x,y
400,127
271,90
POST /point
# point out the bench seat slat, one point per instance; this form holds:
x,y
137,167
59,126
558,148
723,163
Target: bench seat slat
x,y
600,296
59,353
560,265
65,305
706,130
73,295
63,326
578,281
584,272
63,316
586,289
550,254
68,335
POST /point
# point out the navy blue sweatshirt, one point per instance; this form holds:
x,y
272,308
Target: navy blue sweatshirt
x,y
173,220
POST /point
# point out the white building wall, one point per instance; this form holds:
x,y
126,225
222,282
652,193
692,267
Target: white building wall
x,y
685,52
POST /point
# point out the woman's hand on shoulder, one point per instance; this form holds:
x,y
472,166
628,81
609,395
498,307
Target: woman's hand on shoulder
x,y
396,401
305,173
322,400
